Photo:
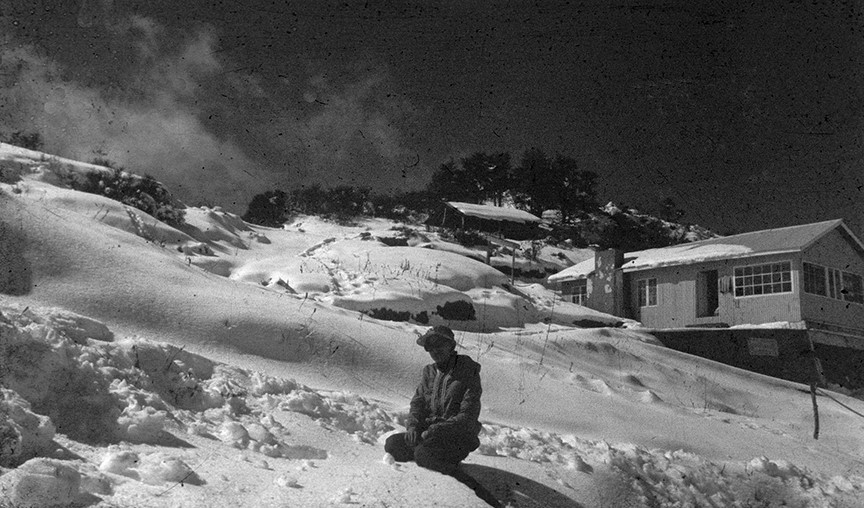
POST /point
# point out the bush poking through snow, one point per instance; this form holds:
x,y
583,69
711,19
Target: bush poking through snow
x,y
143,193
457,311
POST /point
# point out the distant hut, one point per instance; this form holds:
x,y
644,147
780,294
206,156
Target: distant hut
x,y
504,222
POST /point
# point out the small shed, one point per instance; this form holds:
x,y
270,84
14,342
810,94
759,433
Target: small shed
x,y
503,222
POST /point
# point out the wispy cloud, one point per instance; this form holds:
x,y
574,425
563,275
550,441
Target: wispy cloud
x,y
202,120
353,130
149,123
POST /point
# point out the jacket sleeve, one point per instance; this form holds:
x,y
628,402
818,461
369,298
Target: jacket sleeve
x,y
419,405
466,420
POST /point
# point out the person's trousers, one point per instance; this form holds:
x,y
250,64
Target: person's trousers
x,y
439,455
442,455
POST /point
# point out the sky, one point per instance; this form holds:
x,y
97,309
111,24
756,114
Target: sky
x,y
747,115
233,365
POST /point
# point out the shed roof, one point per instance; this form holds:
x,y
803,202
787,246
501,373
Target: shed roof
x,y
494,212
755,243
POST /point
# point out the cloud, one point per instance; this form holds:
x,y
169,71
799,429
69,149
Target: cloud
x,y
150,122
352,131
202,118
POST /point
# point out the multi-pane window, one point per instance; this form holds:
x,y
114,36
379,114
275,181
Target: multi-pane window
x,y
833,283
647,291
814,279
852,288
764,279
580,291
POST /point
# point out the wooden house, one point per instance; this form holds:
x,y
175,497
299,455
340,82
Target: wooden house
x,y
804,277
499,221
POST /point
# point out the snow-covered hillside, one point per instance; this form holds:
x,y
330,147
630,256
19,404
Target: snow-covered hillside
x,y
226,364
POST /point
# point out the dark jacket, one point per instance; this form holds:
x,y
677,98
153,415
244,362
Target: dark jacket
x,y
447,404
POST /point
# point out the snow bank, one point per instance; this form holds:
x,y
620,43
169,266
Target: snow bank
x,y
23,433
143,392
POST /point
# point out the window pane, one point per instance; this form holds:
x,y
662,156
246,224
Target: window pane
x,y
764,279
814,279
647,292
853,288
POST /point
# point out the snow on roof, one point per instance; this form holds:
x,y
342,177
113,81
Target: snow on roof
x,y
494,212
754,243
578,271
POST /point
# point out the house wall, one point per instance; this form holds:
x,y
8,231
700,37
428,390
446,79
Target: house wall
x,y
677,296
833,251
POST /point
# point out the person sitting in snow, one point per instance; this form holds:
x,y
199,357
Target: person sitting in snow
x,y
442,427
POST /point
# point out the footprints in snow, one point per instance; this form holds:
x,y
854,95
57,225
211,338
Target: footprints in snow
x,y
631,388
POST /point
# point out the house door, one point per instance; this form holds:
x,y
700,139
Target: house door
x,y
626,295
707,294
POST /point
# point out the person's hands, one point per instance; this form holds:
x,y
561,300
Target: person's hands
x,y
412,437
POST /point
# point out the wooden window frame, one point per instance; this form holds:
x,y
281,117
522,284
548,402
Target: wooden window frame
x,y
646,290
762,279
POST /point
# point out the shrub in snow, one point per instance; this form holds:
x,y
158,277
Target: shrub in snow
x,y
470,238
386,314
457,311
23,434
268,209
143,193
41,483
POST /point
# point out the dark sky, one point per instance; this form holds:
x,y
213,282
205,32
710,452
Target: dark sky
x,y
748,116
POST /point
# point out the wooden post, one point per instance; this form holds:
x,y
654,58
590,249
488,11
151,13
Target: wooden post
x,y
816,378
513,267
815,411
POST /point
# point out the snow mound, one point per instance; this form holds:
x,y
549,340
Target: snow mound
x,y
41,483
23,434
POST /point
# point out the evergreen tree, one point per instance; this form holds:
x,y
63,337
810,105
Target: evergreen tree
x,y
534,184
268,209
575,189
451,183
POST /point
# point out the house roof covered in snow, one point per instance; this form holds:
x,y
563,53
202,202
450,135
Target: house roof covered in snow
x,y
580,270
755,243
494,212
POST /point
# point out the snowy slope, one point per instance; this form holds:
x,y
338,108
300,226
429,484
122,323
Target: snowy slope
x,y
228,365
